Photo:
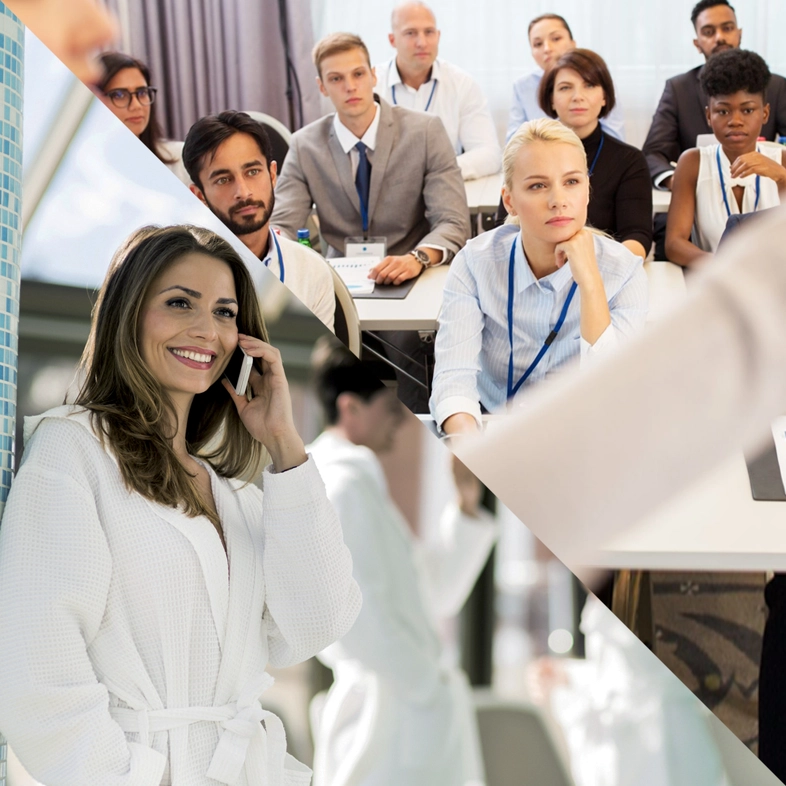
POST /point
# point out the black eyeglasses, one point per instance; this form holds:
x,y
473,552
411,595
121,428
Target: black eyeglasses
x,y
121,97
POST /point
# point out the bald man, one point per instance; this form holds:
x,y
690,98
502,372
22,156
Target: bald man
x,y
416,78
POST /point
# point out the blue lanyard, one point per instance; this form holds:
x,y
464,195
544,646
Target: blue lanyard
x,y
428,103
595,160
280,257
513,389
723,186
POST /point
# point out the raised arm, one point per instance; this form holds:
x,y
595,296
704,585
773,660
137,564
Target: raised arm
x,y
682,211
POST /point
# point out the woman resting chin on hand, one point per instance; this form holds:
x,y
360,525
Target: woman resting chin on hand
x,y
523,300
147,586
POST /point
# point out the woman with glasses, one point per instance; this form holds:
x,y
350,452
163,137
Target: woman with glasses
x,y
125,88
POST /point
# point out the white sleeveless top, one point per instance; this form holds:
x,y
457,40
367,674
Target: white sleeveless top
x,y
711,215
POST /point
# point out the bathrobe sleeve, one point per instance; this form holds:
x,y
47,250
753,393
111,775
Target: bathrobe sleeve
x,y
55,571
311,598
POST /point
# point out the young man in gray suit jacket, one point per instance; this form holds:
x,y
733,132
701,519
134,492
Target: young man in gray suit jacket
x,y
374,170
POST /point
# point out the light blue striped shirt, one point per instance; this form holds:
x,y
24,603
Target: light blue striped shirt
x,y
472,347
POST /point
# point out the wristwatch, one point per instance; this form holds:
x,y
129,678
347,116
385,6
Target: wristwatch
x,y
421,257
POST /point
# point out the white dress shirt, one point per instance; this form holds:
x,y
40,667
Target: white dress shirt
x,y
348,140
456,98
525,107
472,348
304,272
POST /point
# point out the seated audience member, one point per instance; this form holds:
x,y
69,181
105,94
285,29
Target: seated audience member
x,y
737,175
375,170
417,79
549,39
228,158
680,116
409,715
509,314
579,91
125,88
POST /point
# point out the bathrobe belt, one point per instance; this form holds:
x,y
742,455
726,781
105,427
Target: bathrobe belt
x,y
244,741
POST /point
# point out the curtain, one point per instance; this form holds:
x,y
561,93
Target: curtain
x,y
206,56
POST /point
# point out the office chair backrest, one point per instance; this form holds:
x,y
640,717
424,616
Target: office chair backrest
x,y
346,323
517,747
280,135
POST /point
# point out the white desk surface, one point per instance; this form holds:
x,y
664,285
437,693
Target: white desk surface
x,y
420,308
483,194
713,525
660,201
417,311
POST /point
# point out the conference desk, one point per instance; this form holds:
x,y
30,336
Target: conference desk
x,y
419,310
714,525
483,196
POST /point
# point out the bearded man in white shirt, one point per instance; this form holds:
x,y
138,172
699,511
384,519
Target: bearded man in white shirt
x,y
417,79
229,160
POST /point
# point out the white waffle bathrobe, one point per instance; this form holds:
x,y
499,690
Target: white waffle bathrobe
x,y
131,653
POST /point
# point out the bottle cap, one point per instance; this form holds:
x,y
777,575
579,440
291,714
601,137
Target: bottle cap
x,y
303,234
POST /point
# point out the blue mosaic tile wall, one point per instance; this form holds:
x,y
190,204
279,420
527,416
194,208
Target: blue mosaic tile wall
x,y
12,38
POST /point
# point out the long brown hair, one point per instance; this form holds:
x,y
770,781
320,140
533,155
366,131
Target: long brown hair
x,y
131,412
113,62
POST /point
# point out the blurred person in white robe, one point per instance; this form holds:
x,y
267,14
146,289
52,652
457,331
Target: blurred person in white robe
x,y
398,711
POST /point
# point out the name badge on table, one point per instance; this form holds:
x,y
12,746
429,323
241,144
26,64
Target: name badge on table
x,y
370,247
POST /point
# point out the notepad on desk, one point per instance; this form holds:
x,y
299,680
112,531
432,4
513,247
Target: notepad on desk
x,y
354,273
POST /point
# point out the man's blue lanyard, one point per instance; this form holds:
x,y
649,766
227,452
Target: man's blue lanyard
x,y
513,389
280,256
723,185
428,103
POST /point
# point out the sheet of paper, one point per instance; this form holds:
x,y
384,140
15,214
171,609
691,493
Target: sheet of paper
x,y
354,273
779,435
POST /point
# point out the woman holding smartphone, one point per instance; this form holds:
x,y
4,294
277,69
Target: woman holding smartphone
x,y
526,298
146,583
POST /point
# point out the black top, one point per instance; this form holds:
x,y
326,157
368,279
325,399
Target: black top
x,y
620,190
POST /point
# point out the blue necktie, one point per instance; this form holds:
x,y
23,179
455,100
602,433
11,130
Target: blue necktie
x,y
363,182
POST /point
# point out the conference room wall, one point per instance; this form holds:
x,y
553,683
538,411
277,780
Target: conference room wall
x,y
643,43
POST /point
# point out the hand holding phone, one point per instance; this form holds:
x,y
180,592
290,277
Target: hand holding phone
x,y
238,372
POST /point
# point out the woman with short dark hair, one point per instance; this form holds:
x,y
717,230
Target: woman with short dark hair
x,y
146,583
580,92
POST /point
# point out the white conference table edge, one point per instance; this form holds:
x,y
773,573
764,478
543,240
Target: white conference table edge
x,y
417,311
714,524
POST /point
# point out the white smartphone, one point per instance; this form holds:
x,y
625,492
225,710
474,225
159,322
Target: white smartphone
x,y
239,370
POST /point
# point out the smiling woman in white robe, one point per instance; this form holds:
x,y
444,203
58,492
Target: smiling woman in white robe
x,y
134,644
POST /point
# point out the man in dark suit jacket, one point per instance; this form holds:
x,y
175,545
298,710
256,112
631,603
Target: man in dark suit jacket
x,y
680,116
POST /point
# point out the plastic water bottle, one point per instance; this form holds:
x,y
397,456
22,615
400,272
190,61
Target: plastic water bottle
x,y
304,237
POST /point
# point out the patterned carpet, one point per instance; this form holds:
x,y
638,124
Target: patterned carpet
x,y
708,631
